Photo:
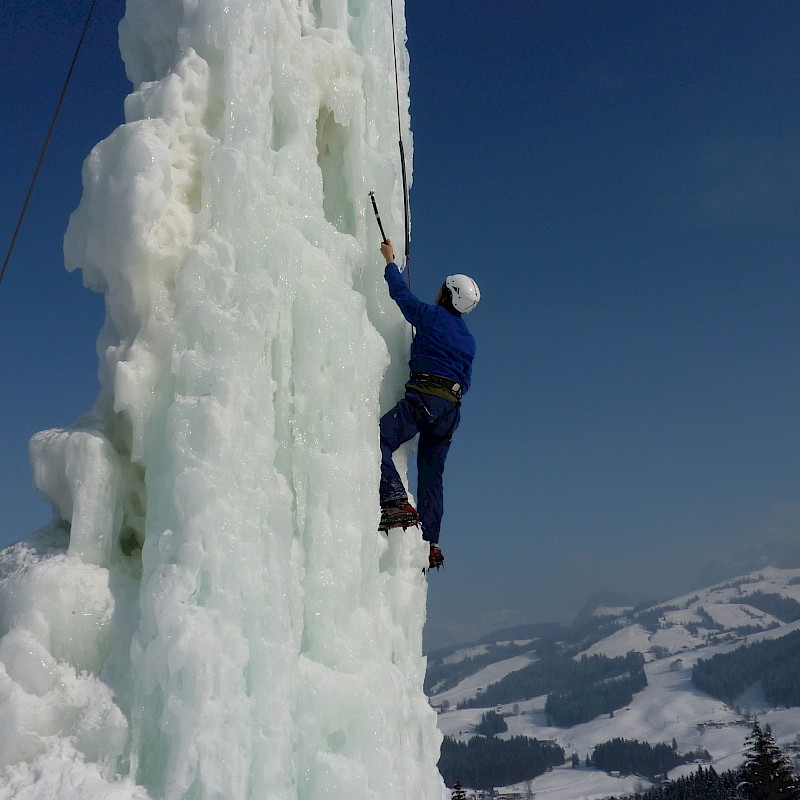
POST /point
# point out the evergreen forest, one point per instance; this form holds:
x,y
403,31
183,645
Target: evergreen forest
x,y
577,691
766,774
440,676
491,724
583,703
705,784
774,662
632,757
786,609
483,763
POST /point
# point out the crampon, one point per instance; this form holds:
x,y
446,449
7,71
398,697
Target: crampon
x,y
435,558
398,515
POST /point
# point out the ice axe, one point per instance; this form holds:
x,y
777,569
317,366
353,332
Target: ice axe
x,y
385,241
377,215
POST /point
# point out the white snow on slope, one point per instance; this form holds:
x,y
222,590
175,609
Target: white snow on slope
x,y
670,706
465,652
475,683
621,642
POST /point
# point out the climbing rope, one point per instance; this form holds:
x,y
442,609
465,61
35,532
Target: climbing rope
x,y
402,153
46,143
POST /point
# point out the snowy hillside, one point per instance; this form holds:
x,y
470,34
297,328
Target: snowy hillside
x,y
671,636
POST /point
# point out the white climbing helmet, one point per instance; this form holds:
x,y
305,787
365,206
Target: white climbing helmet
x,y
464,292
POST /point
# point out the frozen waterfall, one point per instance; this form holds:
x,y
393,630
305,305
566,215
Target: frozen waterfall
x,y
212,613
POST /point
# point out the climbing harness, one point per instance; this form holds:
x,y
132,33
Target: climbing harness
x,y
406,215
46,141
446,388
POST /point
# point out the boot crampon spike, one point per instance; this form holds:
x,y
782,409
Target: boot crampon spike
x,y
435,558
398,514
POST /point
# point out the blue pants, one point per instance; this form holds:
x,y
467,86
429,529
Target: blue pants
x,y
434,419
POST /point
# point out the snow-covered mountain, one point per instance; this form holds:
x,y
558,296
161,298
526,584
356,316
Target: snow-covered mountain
x,y
672,636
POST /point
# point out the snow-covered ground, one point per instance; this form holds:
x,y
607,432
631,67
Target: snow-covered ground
x,y
466,652
735,615
608,611
670,707
478,681
566,783
621,642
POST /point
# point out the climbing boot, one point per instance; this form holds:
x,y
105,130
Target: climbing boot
x,y
398,514
435,557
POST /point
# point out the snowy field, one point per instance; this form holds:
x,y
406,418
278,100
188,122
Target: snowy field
x,y
670,707
482,678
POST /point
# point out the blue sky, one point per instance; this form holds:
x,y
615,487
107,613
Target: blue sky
x,y
622,179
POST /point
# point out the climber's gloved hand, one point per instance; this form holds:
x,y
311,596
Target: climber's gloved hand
x,y
387,251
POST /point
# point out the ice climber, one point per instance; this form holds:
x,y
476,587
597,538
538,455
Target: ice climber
x,y
441,368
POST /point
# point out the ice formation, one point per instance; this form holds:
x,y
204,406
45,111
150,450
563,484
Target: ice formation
x,y
212,613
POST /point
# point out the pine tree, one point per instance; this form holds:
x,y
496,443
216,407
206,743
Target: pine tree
x,y
767,773
458,792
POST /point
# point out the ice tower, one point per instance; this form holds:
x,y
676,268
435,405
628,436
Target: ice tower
x,y
212,613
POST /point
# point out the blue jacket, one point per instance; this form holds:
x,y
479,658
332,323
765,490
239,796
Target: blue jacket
x,y
443,345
